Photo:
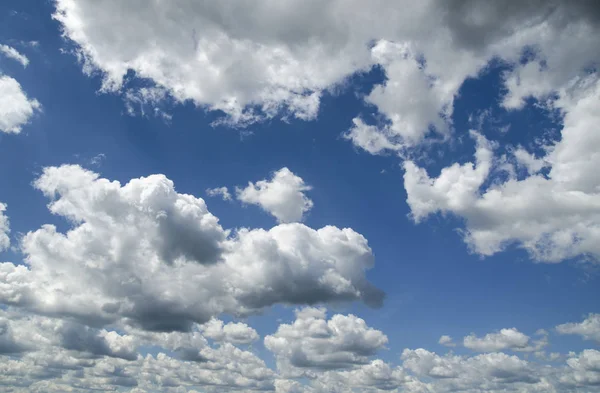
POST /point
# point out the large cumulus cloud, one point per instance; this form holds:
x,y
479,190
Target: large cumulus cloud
x,y
143,253
262,59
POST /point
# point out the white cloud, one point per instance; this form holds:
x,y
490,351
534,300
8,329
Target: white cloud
x,y
493,372
410,99
529,161
494,342
585,369
446,341
222,192
154,258
14,54
4,228
282,196
257,61
589,328
517,210
44,354
454,190
57,355
313,342
376,376
232,332
16,109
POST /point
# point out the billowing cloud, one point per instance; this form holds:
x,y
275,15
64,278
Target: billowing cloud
x,y
282,196
313,342
154,258
16,109
589,328
14,54
256,60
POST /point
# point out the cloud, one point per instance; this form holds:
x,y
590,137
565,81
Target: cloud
x,y
584,369
494,342
235,333
446,341
4,228
589,328
151,257
12,53
46,354
492,372
454,190
313,342
59,355
16,109
255,61
376,376
222,192
412,101
283,196
515,211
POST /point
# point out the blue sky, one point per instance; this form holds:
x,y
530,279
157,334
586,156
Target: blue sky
x,y
436,281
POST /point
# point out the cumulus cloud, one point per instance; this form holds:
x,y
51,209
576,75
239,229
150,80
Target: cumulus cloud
x,y
589,328
233,332
493,372
494,342
376,376
255,61
154,258
222,192
14,54
46,354
584,369
283,196
515,211
58,355
313,342
16,109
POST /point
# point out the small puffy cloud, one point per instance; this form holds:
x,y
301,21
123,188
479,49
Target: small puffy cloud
x,y
16,109
232,332
589,328
494,342
222,192
446,341
282,196
528,161
149,256
14,54
4,228
313,342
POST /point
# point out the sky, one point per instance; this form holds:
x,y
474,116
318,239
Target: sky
x,y
299,196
